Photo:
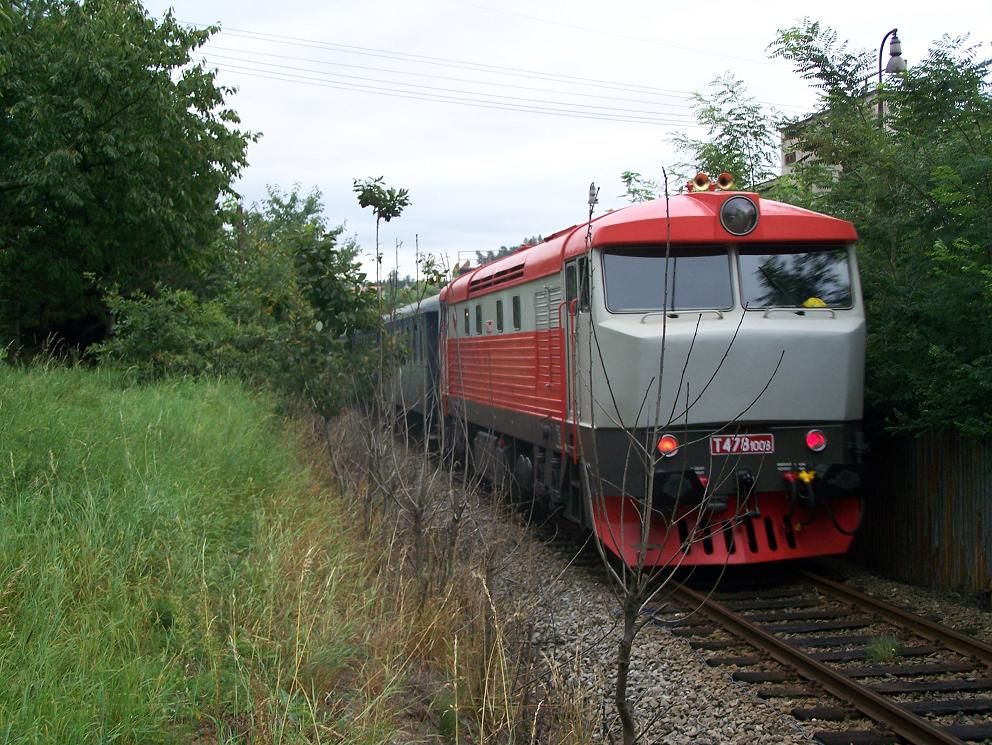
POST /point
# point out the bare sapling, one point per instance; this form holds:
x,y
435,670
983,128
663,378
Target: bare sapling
x,y
644,583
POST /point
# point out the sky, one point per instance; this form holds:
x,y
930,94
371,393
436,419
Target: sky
x,y
497,114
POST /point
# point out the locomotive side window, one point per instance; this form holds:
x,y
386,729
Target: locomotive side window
x,y
577,282
583,264
516,312
698,279
800,277
478,319
468,330
499,315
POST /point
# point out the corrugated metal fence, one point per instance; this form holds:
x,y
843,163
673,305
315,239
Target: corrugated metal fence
x,y
929,513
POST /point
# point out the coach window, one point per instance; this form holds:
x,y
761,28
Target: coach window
x,y
499,315
478,319
468,331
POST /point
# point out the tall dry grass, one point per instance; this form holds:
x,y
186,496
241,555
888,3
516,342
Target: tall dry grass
x,y
450,556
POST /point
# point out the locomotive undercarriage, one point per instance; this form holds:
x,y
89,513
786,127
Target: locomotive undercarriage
x,y
703,508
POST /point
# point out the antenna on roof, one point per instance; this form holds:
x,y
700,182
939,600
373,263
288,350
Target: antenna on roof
x,y
593,201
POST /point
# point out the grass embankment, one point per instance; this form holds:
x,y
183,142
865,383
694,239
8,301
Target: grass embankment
x,y
178,564
171,572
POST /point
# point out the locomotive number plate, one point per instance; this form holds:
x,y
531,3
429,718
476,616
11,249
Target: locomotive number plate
x,y
742,444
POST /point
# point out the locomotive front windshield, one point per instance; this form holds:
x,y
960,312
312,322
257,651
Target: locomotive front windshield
x,y
698,279
801,277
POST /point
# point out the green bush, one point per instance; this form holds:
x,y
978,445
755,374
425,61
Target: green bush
x,y
175,333
277,309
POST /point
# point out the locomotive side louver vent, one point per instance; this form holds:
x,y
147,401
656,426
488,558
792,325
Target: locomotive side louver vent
x,y
499,278
546,304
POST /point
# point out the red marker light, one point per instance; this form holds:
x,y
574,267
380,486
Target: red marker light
x,y
668,445
816,440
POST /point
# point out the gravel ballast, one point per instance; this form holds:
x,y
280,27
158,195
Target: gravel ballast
x,y
675,696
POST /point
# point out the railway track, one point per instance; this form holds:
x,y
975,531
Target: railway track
x,y
937,688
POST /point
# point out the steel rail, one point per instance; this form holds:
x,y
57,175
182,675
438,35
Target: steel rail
x,y
912,727
935,632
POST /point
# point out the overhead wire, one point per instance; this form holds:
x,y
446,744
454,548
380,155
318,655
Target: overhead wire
x,y
440,98
464,65
441,61
435,90
600,107
434,76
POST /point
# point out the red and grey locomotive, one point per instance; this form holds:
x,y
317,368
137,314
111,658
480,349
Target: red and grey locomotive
x,y
684,376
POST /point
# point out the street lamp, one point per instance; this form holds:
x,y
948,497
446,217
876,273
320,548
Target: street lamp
x,y
895,64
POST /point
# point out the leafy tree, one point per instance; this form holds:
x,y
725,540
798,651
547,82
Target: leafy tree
x,y
114,150
407,291
488,257
916,187
639,189
386,203
740,138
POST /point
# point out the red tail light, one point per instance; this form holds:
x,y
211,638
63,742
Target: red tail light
x,y
816,440
668,445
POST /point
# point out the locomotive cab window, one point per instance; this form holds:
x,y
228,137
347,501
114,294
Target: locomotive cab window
x,y
797,277
698,279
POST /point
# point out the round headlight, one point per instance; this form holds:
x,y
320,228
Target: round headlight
x,y
739,215
668,445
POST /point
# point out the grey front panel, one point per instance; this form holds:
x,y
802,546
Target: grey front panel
x,y
720,366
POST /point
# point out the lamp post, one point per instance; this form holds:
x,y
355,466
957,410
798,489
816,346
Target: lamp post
x,y
895,64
